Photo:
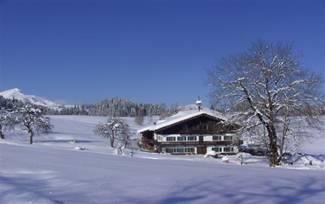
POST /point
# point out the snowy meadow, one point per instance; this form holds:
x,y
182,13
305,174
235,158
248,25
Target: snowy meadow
x,y
73,165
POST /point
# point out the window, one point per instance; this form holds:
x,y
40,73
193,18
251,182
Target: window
x,y
180,150
171,139
227,138
216,138
169,150
217,149
228,149
189,149
191,138
181,138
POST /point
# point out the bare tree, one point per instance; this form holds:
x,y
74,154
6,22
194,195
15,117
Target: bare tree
x,y
34,122
270,91
117,131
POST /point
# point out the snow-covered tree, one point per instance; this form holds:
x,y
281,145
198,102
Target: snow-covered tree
x,y
271,93
34,122
117,131
8,115
6,121
122,133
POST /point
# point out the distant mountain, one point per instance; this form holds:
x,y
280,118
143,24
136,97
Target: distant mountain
x,y
39,101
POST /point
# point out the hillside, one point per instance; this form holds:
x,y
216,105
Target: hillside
x,y
36,100
55,170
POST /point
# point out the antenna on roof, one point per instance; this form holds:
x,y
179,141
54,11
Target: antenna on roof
x,y
199,103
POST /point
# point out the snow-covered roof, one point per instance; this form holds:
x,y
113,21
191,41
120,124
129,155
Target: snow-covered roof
x,y
182,116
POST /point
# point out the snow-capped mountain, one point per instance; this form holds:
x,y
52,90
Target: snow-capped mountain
x,y
17,94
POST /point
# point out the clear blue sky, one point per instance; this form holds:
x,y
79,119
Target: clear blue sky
x,y
81,51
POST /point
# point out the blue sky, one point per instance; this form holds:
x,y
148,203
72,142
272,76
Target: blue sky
x,y
81,51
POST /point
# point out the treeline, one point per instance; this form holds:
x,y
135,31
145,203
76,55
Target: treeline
x,y
116,107
10,103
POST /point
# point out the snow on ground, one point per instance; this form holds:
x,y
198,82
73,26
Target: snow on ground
x,y
316,144
71,132
44,175
55,170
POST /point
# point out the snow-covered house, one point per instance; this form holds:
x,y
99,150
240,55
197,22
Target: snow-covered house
x,y
191,131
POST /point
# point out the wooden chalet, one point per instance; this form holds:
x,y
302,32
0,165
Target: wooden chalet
x,y
192,132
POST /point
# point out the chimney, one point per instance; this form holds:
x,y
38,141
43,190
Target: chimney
x,y
199,103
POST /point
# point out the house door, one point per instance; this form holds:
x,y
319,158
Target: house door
x,y
201,150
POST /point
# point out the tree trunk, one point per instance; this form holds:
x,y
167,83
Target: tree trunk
x,y
273,154
111,140
31,137
2,136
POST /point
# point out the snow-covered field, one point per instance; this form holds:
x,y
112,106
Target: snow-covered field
x,y
55,170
